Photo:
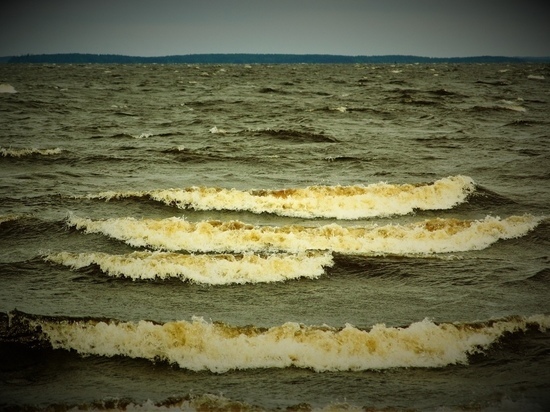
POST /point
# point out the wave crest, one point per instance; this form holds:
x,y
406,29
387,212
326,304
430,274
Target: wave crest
x,y
200,345
207,269
9,152
7,88
9,218
341,202
423,238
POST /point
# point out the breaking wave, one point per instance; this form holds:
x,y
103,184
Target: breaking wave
x,y
423,238
9,218
7,88
9,152
190,403
296,136
217,347
207,269
209,402
341,202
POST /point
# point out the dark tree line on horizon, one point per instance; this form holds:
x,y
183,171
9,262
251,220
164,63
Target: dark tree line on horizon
x,y
246,58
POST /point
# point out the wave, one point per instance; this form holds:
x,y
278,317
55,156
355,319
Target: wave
x,y
272,90
341,202
186,155
217,347
209,402
7,88
526,123
423,238
207,269
296,136
499,107
9,218
189,403
344,159
9,152
143,135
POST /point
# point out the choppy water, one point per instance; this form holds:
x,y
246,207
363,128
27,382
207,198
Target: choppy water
x,y
275,237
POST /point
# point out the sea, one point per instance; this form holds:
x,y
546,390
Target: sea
x,y
291,237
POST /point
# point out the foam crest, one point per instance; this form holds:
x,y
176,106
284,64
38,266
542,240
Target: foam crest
x,y
200,345
7,88
208,269
509,105
341,202
9,152
190,403
144,135
205,403
425,237
9,218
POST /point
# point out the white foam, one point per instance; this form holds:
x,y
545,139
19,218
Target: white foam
x,y
215,130
509,105
144,135
208,269
199,345
424,237
7,88
10,152
341,202
9,218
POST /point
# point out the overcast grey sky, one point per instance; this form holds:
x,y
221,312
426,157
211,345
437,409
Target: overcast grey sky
x,y
435,28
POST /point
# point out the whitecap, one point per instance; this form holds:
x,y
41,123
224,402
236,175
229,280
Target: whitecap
x,y
9,218
200,345
215,130
144,135
421,238
9,152
206,269
342,202
7,88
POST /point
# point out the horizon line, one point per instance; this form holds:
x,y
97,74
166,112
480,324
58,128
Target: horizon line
x,y
275,54
258,58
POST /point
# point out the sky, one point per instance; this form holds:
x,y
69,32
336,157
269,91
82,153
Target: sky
x,y
432,28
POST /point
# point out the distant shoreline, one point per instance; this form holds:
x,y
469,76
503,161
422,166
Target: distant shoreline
x,y
249,58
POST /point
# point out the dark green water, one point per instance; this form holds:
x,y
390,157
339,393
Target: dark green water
x,y
72,133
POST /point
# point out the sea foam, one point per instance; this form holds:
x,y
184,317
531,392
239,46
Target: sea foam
x,y
7,88
341,202
424,237
207,269
11,152
200,345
